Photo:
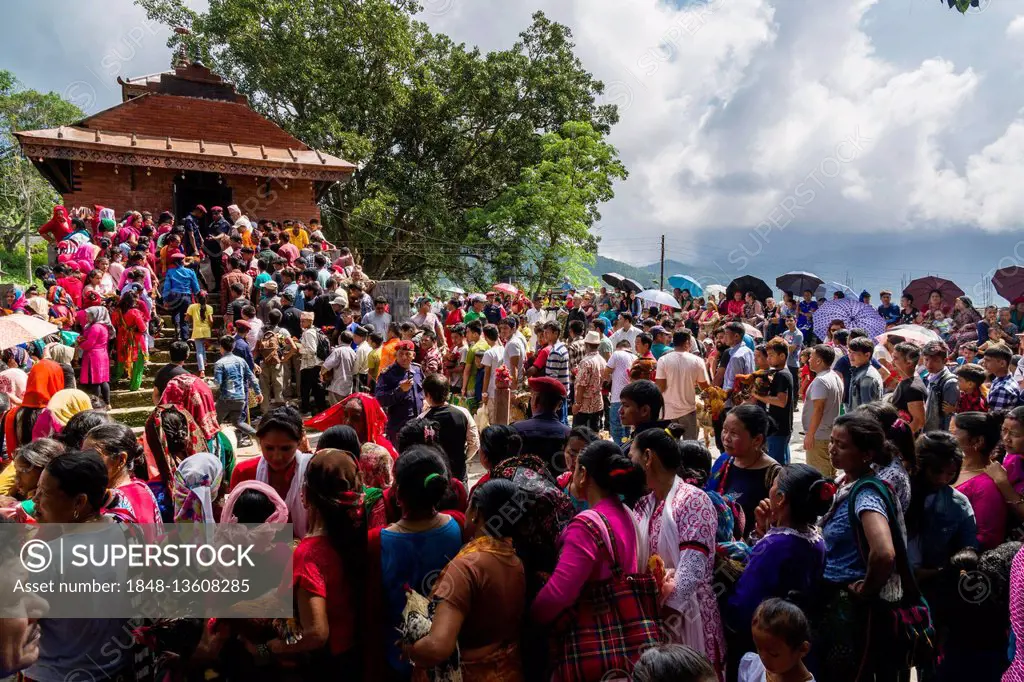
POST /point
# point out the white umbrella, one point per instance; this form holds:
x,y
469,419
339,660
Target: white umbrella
x,y
914,333
18,329
659,297
714,290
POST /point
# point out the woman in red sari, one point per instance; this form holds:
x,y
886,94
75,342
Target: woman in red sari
x,y
363,413
131,340
453,318
44,379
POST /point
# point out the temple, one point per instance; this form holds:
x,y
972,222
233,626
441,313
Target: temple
x,y
181,138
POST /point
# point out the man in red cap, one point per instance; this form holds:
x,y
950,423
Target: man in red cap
x,y
180,285
193,235
544,435
400,389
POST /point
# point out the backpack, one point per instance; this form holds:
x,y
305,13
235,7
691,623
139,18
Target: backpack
x,y
269,348
323,345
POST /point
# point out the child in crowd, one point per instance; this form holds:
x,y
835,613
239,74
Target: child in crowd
x,y
941,324
971,377
968,353
806,375
673,663
783,638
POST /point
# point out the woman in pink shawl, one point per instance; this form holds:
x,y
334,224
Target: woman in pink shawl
x,y
1015,673
95,373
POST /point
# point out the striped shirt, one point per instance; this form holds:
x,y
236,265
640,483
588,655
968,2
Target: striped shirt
x,y
557,366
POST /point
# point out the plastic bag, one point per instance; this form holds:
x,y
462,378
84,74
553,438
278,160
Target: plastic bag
x,y
481,419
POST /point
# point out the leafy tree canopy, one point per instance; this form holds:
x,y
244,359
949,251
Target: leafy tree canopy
x,y
439,130
26,199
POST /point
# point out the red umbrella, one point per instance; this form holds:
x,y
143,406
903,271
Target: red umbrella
x,y
506,289
1009,282
922,287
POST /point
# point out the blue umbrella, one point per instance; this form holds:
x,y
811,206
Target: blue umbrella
x,y
827,289
684,283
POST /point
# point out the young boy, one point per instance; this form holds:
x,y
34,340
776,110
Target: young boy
x,y
1004,393
968,353
865,381
477,348
970,377
455,359
376,340
779,400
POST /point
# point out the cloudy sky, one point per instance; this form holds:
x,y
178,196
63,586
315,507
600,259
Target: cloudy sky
x,y
865,139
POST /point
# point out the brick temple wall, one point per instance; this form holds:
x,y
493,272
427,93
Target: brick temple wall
x,y
99,184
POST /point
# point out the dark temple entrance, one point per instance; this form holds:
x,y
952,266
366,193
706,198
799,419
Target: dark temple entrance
x,y
200,188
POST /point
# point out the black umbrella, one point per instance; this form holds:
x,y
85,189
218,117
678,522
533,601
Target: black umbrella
x,y
749,284
798,282
631,285
613,279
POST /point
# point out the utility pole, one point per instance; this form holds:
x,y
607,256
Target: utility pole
x,y
661,281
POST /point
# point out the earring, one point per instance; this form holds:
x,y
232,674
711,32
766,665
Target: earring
x,y
76,515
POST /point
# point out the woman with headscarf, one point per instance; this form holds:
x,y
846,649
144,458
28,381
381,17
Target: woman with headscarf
x,y
15,301
95,373
363,413
375,467
63,355
193,395
64,405
57,227
965,323
170,437
196,486
131,326
62,308
44,380
13,379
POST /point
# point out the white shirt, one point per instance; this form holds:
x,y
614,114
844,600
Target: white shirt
x,y
516,348
532,315
362,365
681,372
628,334
619,363
342,360
494,357
255,332
307,349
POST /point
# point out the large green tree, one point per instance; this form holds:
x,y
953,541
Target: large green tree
x,y
26,199
545,219
437,128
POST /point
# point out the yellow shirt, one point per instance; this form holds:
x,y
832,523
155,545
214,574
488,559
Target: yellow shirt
x,y
200,328
301,240
7,479
373,363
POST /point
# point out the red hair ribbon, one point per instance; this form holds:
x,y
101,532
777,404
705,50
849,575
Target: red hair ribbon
x,y
828,490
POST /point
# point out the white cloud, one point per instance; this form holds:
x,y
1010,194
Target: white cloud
x,y
730,108
1016,27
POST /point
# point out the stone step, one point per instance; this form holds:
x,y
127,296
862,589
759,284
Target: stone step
x,y
218,321
132,416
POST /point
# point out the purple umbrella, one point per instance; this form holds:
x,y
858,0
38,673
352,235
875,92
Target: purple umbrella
x,y
1009,282
852,313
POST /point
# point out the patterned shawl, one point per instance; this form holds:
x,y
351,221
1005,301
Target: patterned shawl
x,y
191,394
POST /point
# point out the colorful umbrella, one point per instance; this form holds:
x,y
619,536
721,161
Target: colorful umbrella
x,y
828,289
852,313
659,297
922,287
1009,282
506,289
798,282
685,283
911,332
749,284
18,329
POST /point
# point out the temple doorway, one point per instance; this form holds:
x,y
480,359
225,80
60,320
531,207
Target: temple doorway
x,y
208,189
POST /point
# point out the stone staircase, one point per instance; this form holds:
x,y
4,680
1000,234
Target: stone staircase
x,y
134,407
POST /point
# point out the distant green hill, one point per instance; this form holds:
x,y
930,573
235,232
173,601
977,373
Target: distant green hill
x,y
644,275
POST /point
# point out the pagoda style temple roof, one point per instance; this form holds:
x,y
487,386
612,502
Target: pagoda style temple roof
x,y
130,149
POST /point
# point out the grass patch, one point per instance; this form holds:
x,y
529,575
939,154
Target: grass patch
x,y
13,263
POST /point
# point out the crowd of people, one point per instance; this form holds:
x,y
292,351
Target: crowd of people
x,y
603,541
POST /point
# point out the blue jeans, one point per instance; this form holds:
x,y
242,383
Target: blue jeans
x,y
200,353
778,448
615,426
564,412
